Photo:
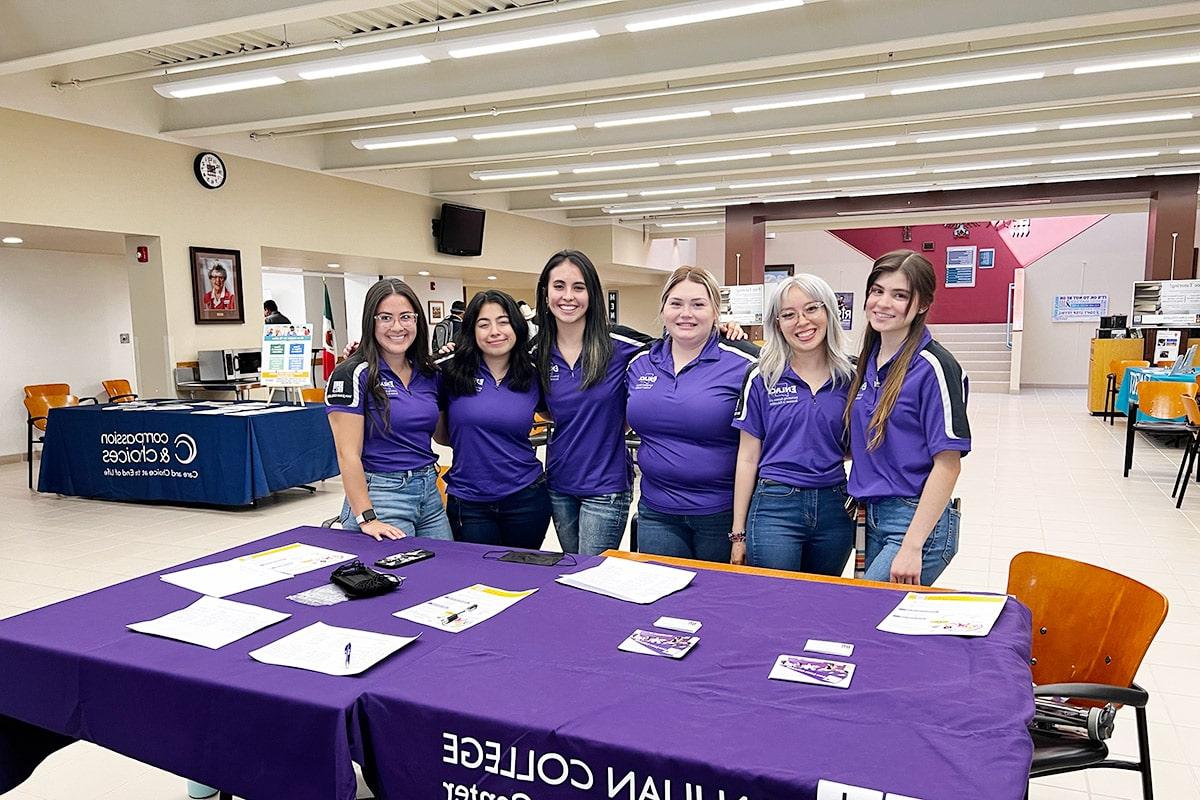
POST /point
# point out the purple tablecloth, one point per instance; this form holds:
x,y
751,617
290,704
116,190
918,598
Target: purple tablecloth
x,y
926,717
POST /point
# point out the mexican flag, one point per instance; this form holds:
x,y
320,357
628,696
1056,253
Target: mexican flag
x,y
328,352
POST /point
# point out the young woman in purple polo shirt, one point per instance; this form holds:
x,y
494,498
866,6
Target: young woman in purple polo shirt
x,y
382,404
496,490
683,391
789,492
908,427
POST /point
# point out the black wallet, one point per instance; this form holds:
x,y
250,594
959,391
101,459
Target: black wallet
x,y
358,580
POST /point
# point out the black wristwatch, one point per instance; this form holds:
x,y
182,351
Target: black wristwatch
x,y
366,516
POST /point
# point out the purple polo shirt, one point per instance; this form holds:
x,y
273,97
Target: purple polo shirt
x,y
930,417
489,431
586,456
413,413
689,449
801,431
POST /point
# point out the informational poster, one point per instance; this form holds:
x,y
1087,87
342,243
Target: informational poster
x,y
1166,345
987,258
1157,303
960,266
285,358
1079,307
742,304
614,306
845,309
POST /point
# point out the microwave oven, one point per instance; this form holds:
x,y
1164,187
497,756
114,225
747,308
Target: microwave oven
x,y
217,366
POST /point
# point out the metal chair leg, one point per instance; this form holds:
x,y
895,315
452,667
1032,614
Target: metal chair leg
x,y
1185,468
1130,422
1143,734
1110,399
1189,458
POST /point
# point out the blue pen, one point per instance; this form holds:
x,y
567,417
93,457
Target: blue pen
x,y
347,654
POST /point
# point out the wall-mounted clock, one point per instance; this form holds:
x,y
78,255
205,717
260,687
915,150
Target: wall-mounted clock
x,y
210,170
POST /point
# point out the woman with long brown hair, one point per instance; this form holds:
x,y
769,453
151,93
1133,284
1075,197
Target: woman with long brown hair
x,y
907,418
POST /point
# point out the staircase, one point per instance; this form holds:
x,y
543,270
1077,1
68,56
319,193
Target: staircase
x,y
982,352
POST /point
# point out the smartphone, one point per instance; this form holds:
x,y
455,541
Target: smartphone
x,y
403,559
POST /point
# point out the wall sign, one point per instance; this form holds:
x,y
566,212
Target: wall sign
x,y
614,301
845,309
285,358
987,258
1079,307
742,304
1158,303
960,266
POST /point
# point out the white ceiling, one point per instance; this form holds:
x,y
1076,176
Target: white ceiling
x,y
1053,117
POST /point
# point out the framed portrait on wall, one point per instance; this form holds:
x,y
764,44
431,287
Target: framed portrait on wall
x,y
217,285
437,311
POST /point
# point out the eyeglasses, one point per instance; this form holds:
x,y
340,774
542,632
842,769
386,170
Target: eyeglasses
x,y
387,319
810,311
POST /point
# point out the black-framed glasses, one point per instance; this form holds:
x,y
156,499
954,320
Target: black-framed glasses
x,y
810,311
387,319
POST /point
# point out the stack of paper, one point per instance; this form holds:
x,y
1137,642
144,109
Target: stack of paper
x,y
210,622
331,650
224,578
938,614
632,581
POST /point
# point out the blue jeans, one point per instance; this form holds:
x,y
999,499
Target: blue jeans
x,y
408,500
702,536
887,522
806,530
517,520
590,524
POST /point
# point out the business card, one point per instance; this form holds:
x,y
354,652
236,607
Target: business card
x,y
802,669
677,624
829,648
653,643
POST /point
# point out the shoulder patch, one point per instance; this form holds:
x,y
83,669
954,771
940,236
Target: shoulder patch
x,y
744,397
641,352
343,389
952,385
744,350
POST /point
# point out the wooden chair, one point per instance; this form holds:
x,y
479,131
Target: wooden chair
x,y
1189,453
118,390
1116,376
37,410
1161,401
313,395
35,389
1091,630
541,430
441,481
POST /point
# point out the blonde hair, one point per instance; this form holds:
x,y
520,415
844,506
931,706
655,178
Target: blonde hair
x,y
695,275
776,351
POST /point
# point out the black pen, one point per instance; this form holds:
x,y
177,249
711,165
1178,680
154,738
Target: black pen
x,y
451,617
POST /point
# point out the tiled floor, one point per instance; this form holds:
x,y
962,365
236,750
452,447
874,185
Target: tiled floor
x,y
1043,475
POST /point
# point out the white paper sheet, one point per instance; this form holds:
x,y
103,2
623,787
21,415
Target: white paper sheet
x,y
943,614
254,412
331,650
224,578
296,558
632,581
463,609
210,622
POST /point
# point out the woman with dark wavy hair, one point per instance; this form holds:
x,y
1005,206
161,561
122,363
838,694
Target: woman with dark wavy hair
x,y
382,404
496,489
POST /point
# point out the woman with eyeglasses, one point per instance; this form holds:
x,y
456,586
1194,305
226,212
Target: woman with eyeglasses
x,y
789,493
496,490
683,391
382,404
908,426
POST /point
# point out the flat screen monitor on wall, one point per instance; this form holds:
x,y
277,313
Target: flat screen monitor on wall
x,y
460,230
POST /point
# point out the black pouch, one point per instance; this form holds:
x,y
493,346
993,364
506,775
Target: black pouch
x,y
358,580
538,557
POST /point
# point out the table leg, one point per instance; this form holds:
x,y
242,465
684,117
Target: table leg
x,y
1130,420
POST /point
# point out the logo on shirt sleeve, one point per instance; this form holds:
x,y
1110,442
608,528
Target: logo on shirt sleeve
x,y
339,386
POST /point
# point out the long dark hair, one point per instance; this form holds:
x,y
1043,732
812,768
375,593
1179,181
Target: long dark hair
x,y
368,351
459,370
597,346
922,283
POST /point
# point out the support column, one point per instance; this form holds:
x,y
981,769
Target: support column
x,y
1172,211
745,246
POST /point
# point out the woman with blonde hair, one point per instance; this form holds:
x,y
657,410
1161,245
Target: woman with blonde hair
x,y
789,494
908,426
682,394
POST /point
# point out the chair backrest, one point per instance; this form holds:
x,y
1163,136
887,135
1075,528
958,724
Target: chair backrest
x,y
1118,367
35,389
313,394
1090,625
1192,410
441,481
116,388
1161,399
40,405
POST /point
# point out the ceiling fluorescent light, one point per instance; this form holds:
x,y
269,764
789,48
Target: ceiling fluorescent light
x,y
634,210
1070,178
689,224
684,190
618,123
714,159
1139,63
804,101
951,137
219,87
796,198
705,12
529,43
1104,157
1189,151
524,132
831,148
909,190
574,198
376,65
1100,123
862,176
760,184
499,176
384,144
964,83
1192,170
716,204
616,167
12,240
975,167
